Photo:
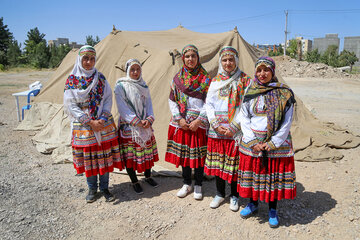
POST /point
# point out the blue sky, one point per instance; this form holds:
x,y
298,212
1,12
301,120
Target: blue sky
x,y
259,22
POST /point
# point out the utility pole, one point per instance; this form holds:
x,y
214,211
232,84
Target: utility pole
x,y
286,32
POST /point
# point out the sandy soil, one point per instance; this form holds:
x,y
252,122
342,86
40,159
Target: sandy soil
x,y
40,200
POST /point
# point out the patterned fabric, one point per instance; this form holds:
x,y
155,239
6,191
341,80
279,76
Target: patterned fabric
x,y
97,159
277,96
228,50
222,159
195,81
137,157
87,50
186,148
276,182
83,135
266,61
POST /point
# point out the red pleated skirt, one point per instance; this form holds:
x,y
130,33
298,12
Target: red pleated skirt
x,y
222,159
97,159
276,182
137,157
186,148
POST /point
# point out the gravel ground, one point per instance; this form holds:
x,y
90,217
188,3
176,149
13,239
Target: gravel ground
x,y
42,200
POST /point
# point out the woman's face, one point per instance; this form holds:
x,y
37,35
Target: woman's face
x,y
88,62
135,72
191,59
228,63
264,74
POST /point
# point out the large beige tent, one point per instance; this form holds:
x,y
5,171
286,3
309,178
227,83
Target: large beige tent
x,y
159,53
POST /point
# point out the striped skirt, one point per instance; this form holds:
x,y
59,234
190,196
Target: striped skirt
x,y
186,148
137,157
222,159
276,182
94,160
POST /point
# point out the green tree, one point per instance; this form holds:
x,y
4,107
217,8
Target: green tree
x,y
330,56
57,54
36,51
5,40
14,54
91,41
313,56
347,58
291,50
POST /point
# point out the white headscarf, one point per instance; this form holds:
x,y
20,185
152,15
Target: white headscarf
x,y
78,95
217,85
136,94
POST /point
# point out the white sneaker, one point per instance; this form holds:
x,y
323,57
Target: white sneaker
x,y
185,190
215,203
197,192
234,203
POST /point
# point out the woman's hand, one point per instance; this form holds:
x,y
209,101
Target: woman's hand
x,y
229,133
266,147
194,125
183,124
145,123
221,130
96,125
258,147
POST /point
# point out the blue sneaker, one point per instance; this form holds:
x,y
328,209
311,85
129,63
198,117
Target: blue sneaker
x,y
273,218
249,210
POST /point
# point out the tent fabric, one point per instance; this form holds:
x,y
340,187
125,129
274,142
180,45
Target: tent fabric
x,y
159,53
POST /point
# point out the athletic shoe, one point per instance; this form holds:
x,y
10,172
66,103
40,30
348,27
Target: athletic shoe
x,y
234,203
185,190
91,196
137,188
197,192
273,218
151,182
108,195
215,203
249,210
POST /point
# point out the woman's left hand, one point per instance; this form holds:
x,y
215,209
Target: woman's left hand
x,y
266,147
229,133
194,125
145,123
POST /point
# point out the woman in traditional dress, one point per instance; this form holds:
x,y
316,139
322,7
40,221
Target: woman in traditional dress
x,y
186,145
137,141
88,101
266,169
222,102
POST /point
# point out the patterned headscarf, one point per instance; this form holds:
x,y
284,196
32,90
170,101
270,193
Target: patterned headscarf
x,y
276,96
189,82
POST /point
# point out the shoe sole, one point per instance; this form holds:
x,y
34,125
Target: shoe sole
x,y
234,210
249,215
274,226
90,201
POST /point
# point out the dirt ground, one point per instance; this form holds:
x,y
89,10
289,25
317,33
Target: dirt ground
x,y
42,200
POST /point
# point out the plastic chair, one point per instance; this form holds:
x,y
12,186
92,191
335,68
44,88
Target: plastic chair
x,y
28,106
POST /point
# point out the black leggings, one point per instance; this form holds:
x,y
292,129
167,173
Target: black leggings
x,y
132,174
220,187
272,204
198,175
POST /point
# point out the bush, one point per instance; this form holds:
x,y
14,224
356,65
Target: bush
x,y
2,68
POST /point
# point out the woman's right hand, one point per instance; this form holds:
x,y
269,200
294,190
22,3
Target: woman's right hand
x,y
221,130
96,125
183,124
258,147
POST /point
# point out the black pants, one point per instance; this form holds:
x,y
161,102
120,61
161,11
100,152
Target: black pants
x,y
272,204
132,174
220,187
198,175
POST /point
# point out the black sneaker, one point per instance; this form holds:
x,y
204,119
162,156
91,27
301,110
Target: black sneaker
x,y
151,182
137,188
108,195
91,197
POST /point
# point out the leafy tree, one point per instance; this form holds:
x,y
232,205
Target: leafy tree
x,y
291,50
36,51
330,56
91,41
14,54
5,40
347,58
313,56
57,54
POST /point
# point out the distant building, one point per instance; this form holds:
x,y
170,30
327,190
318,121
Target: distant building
x,y
352,44
268,47
63,41
321,44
